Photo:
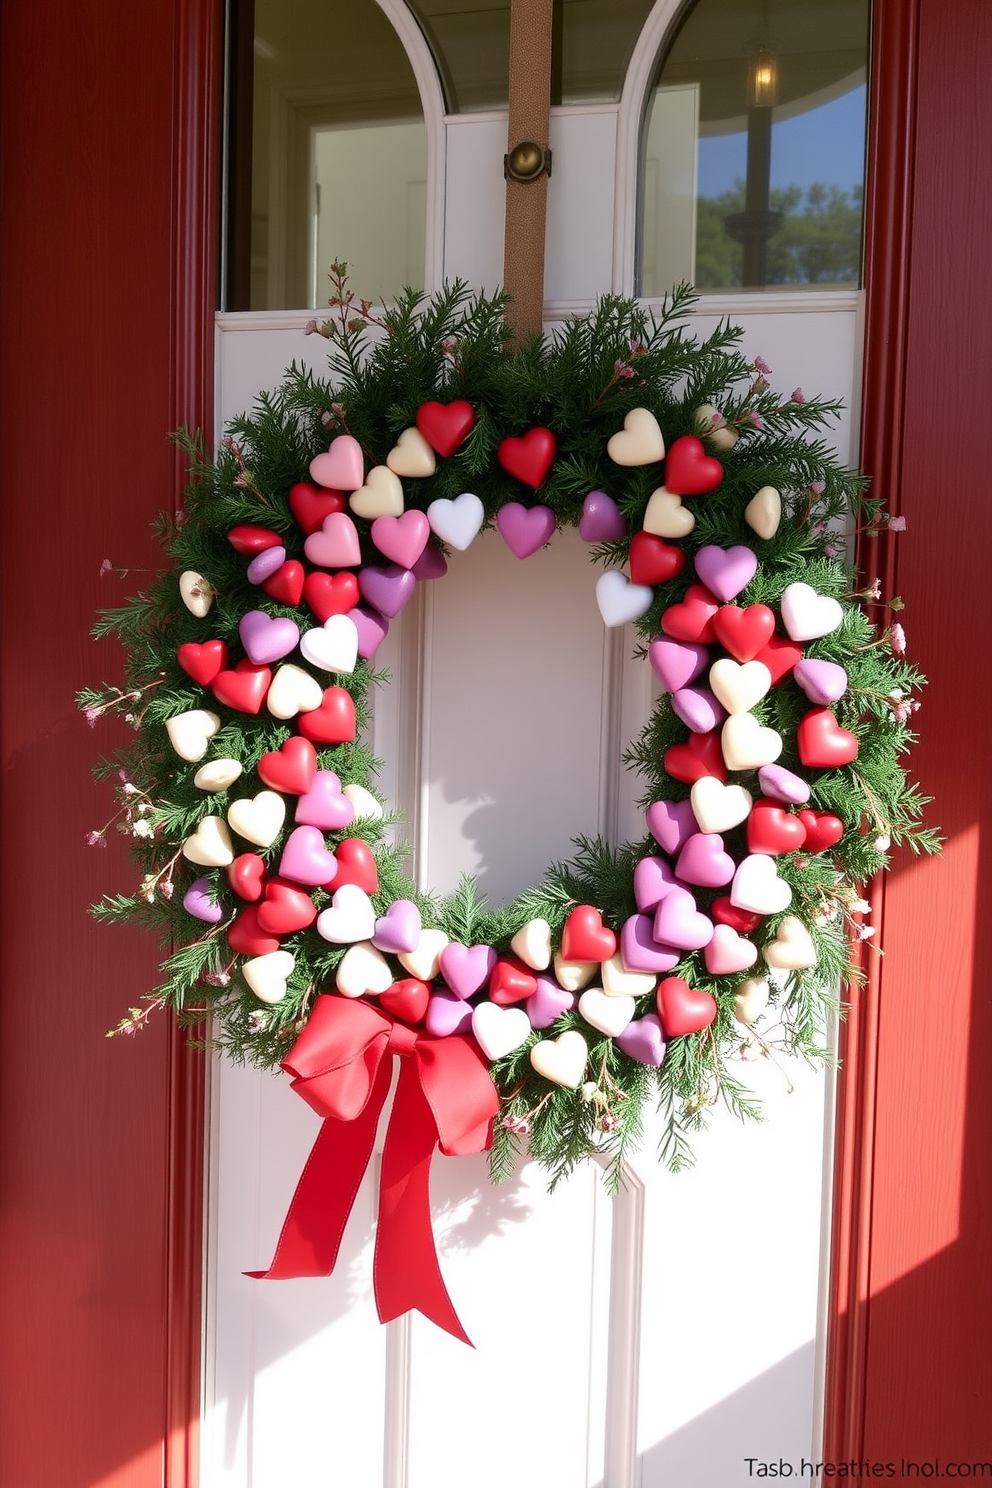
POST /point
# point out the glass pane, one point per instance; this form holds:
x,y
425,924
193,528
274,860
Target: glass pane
x,y
754,148
338,156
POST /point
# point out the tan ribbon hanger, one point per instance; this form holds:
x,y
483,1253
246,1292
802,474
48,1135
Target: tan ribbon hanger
x,y
527,164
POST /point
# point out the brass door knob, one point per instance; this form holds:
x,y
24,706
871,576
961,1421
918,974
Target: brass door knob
x,y
527,162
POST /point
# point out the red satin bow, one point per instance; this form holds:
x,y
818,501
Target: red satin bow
x,y
444,1097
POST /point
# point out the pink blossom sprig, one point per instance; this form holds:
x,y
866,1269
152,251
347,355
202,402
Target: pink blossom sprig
x,y
117,698
243,480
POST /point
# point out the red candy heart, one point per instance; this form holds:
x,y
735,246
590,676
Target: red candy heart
x,y
286,584
445,425
700,755
311,504
744,632
333,722
510,981
823,830
653,561
244,688
356,865
585,937
692,619
529,458
741,920
291,768
285,908
689,470
779,656
202,661
246,875
330,594
407,1000
823,744
773,830
246,936
684,1009
249,539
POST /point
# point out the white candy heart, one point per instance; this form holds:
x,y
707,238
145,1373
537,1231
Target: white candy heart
x,y
498,1030
532,943
367,808
718,807
808,615
293,691
739,685
609,1014
411,456
639,442
708,423
332,646
217,775
258,818
424,961
562,1060
190,733
349,917
362,969
619,600
381,495
665,516
210,845
747,744
619,982
757,886
457,522
572,975
196,593
267,975
792,947
764,512
750,1000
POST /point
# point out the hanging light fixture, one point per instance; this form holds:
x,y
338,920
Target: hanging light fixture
x,y
762,79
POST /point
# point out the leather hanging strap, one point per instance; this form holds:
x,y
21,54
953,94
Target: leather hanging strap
x,y
527,200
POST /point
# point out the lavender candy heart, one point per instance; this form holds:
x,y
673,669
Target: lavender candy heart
x,y
823,682
678,922
781,785
677,663
372,628
387,589
466,968
671,824
601,519
305,858
643,1040
266,637
264,564
398,930
726,571
447,1014
524,529
431,564
546,1005
198,902
698,709
703,861
324,805
653,878
639,951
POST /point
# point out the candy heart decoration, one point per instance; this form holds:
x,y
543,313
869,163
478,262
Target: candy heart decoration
x,y
562,1060
698,709
293,691
653,561
217,775
372,629
305,858
676,663
621,981
332,648
445,425
823,682
266,637
310,505
584,937
750,1000
399,928
447,1014
744,632
773,830
671,823
684,1009
529,457
407,1000
210,845
574,975
349,918
431,564
249,539
466,968
700,755
425,961
665,516
747,744
610,1015
822,743
333,722
763,512
403,538
245,937
246,875
457,522
199,901
267,975
341,467
739,685
498,1031
190,733
285,908
717,807
365,805
548,1003
703,861
412,456
286,584
726,571
689,470
741,920
330,594
290,768
196,593
639,442
202,662
324,804
601,520
511,982
710,425
728,952
388,589
362,971
792,949
653,878
525,529
357,865
692,618
336,544
639,950
644,1040
532,943
258,819
678,922
619,600
265,565
243,689
782,785
381,495
807,615
757,886
823,830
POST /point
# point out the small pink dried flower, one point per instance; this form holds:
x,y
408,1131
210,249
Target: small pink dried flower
x,y
897,640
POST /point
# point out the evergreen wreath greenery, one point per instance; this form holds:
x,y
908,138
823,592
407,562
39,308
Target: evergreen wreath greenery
x,y
581,383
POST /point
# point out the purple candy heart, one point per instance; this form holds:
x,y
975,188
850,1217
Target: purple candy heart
x,y
678,922
264,564
601,519
335,544
266,637
198,901
726,571
781,785
372,629
643,1040
323,805
639,951
305,858
653,878
447,1014
398,930
402,538
466,968
524,529
671,824
431,564
823,682
703,861
387,589
677,663
547,1004
698,709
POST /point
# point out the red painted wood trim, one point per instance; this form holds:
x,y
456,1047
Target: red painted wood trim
x,y
888,236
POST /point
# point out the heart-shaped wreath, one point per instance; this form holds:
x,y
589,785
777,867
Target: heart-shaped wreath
x,y
772,782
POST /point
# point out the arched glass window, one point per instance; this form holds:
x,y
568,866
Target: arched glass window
x,y
753,154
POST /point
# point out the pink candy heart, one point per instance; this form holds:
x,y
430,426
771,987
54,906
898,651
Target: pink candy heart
x,y
266,637
447,1014
387,589
340,468
644,1040
677,663
336,544
466,968
703,861
398,930
653,878
678,922
698,709
324,806
305,858
671,824
726,571
525,529
264,564
823,682
728,952
639,950
782,785
403,538
372,628
601,519
547,1004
